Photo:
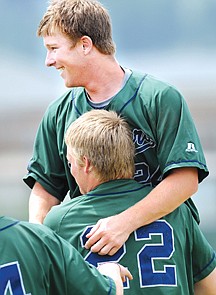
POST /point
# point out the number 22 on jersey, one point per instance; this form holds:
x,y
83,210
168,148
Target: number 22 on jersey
x,y
148,256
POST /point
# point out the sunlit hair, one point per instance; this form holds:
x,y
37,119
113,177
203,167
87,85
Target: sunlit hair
x,y
105,139
77,18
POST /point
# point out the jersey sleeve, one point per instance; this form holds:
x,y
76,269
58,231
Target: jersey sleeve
x,y
47,166
83,278
178,143
203,255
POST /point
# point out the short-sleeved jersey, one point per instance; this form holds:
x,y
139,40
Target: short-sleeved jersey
x,y
36,261
164,135
165,257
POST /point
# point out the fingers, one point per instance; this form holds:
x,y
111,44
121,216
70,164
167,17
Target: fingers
x,y
109,250
99,241
93,236
125,273
94,229
129,275
110,268
105,238
103,246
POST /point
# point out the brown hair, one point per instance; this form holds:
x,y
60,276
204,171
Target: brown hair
x,y
77,18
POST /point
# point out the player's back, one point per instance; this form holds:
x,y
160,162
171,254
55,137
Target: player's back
x,y
164,257
159,255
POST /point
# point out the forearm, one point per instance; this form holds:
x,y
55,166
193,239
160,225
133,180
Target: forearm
x,y
40,203
109,234
163,199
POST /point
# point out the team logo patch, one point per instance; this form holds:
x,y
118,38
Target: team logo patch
x,y
191,148
143,141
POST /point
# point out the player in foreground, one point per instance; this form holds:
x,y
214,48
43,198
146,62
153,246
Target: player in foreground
x,y
169,157
168,256
36,261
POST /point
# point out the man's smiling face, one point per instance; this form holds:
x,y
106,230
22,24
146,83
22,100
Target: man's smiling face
x,y
65,57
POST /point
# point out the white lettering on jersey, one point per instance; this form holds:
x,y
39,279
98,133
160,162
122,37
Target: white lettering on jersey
x,y
191,148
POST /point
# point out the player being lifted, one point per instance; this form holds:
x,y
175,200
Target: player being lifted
x,y
168,256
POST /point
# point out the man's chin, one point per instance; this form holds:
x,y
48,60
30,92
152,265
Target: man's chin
x,y
68,84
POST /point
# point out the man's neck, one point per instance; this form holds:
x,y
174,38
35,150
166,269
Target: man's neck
x,y
106,82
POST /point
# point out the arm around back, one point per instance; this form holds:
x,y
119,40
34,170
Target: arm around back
x,y
109,234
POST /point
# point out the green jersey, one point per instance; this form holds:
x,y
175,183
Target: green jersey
x,y
163,133
36,261
165,257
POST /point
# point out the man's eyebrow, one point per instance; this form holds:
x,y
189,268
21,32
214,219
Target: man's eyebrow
x,y
49,45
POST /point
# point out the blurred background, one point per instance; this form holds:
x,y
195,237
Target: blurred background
x,y
173,40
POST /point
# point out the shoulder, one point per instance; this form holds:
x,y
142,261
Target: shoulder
x,y
158,94
154,95
150,87
154,87
149,81
39,234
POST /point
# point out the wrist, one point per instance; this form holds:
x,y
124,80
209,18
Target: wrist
x,y
130,220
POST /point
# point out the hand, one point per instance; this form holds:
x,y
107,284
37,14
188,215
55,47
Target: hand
x,y
125,273
109,269
108,235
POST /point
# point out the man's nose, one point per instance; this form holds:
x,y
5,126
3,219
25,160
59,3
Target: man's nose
x,y
49,61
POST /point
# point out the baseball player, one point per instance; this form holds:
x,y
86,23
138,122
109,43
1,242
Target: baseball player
x,y
168,256
169,157
35,261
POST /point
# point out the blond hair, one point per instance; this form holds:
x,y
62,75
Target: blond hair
x,y
77,18
105,139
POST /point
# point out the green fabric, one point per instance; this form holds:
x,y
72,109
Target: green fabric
x,y
176,238
47,263
163,132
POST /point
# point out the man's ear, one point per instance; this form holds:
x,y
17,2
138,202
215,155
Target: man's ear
x,y
87,165
86,44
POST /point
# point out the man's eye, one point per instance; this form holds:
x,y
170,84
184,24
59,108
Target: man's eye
x,y
53,48
69,165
